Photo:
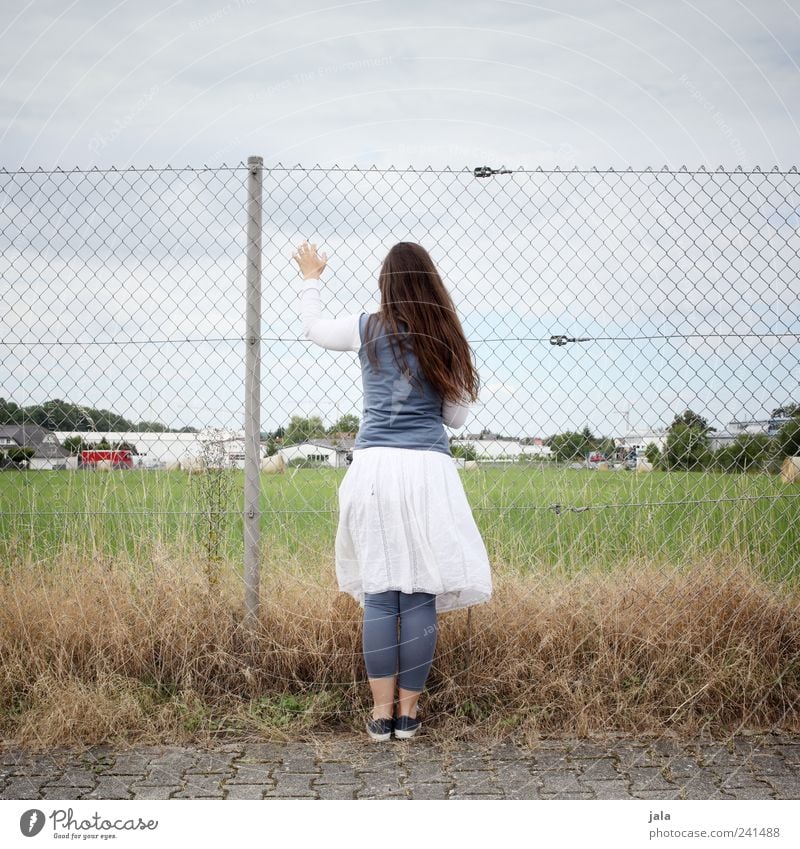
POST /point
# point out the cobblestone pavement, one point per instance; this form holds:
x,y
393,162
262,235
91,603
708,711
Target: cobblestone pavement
x,y
348,766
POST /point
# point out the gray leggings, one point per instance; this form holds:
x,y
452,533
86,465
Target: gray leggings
x,y
417,641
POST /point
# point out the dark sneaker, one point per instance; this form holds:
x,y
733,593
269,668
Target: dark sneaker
x,y
379,729
405,727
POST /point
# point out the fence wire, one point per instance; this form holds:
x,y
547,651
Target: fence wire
x,y
636,334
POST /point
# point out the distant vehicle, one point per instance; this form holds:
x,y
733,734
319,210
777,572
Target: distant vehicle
x,y
120,458
594,459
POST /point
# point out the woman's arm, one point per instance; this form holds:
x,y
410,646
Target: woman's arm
x,y
337,334
454,414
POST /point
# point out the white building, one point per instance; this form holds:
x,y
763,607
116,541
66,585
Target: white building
x,y
157,450
641,439
319,451
500,450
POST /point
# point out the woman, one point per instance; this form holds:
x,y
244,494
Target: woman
x,y
407,546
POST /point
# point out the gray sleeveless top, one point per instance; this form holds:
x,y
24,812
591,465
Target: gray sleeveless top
x,y
397,412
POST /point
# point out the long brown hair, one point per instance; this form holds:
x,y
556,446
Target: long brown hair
x,y
412,292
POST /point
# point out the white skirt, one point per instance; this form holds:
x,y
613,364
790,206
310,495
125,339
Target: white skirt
x,y
405,524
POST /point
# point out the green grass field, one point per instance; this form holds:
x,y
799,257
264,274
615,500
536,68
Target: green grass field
x,y
629,517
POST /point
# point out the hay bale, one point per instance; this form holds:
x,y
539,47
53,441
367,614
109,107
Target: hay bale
x,y
103,465
643,465
790,470
193,465
274,465
470,464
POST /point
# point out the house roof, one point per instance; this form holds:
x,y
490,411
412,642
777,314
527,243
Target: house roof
x,y
36,437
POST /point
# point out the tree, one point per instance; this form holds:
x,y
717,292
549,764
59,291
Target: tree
x,y
302,429
788,411
786,442
693,420
651,453
687,446
570,445
20,455
73,444
348,423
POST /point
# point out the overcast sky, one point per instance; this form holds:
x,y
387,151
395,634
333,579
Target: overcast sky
x,y
446,84
586,82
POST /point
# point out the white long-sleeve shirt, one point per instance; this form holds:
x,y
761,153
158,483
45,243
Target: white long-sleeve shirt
x,y
342,334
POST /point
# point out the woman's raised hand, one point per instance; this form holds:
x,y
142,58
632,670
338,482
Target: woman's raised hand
x,y
309,261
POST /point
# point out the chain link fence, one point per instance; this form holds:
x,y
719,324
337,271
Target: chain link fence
x,y
636,334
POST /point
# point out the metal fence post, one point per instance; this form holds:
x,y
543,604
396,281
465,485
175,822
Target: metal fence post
x,y
252,394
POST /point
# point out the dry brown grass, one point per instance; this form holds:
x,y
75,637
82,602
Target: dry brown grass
x,y
101,651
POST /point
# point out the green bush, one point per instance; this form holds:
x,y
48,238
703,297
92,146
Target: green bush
x,y
467,452
749,452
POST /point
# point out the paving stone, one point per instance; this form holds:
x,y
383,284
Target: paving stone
x,y
598,769
647,778
212,762
683,767
154,791
262,753
46,765
549,759
635,756
560,781
755,791
246,791
427,774
481,781
785,786
701,786
476,796
337,791
769,763
287,793
617,789
328,776
433,790
110,787
246,773
568,794
75,777
187,794
665,748
55,792
791,752
205,785
158,775
21,787
719,757
508,752
522,788
345,767
587,749
734,777
361,795
129,763
661,794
